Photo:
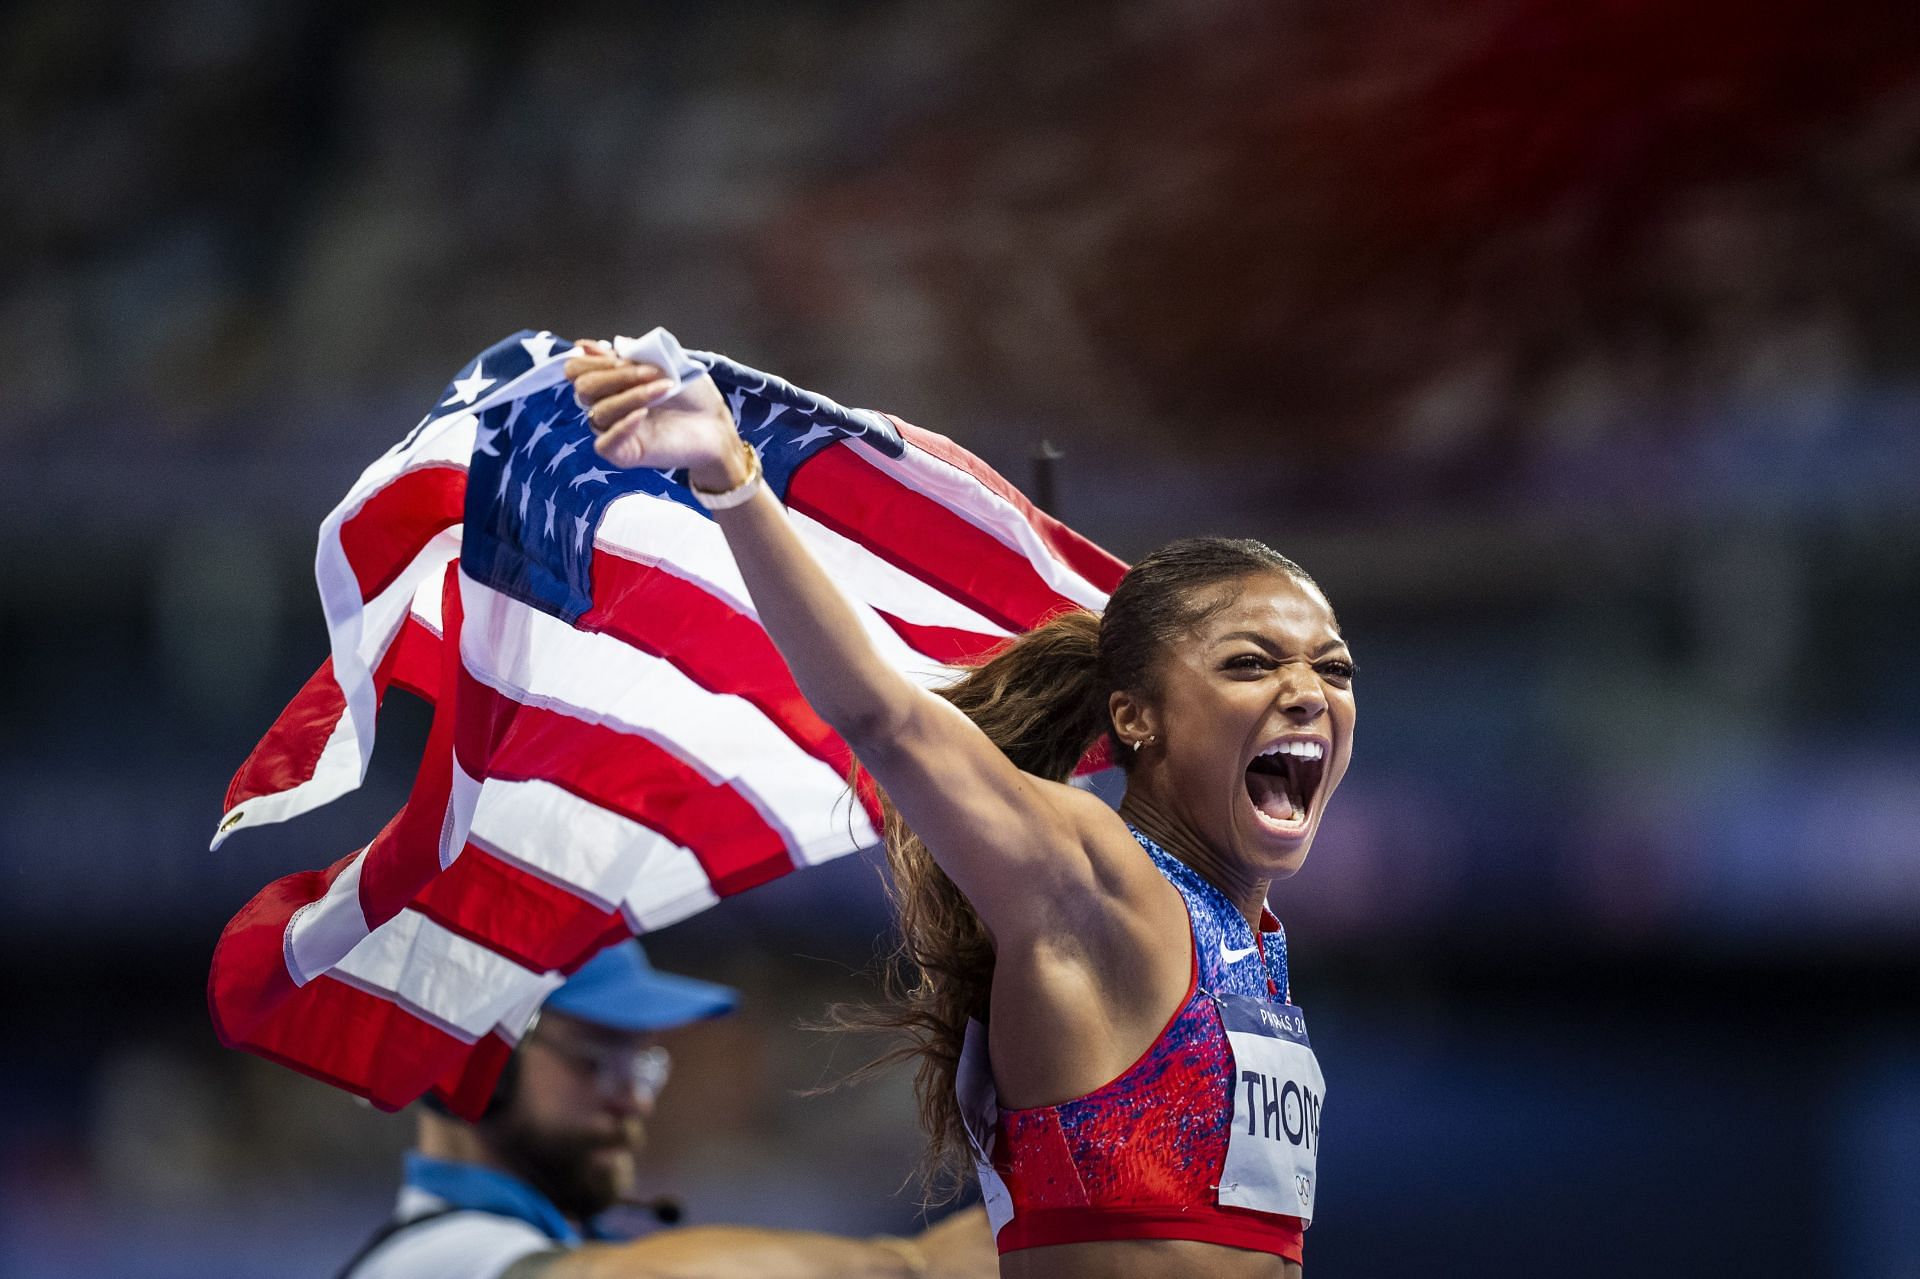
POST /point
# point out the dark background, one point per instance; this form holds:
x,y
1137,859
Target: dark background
x,y
1572,347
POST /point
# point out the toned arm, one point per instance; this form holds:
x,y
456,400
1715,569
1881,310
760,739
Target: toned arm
x,y
720,1252
958,1248
1009,840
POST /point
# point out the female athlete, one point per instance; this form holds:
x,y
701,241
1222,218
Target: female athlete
x,y
1142,1100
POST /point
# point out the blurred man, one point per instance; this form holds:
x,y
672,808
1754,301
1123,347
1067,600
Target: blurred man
x,y
517,1193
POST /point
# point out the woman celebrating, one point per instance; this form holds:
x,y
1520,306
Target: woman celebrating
x,y
1139,1093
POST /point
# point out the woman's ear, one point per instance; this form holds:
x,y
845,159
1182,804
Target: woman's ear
x,y
1133,718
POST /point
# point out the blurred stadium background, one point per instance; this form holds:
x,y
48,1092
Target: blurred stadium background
x,y
1575,348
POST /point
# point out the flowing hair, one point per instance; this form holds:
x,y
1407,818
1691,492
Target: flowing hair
x,y
1042,699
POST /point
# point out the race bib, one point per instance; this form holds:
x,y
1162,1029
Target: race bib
x,y
1274,1148
980,1113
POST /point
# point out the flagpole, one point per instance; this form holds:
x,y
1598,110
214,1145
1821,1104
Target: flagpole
x,y
1044,457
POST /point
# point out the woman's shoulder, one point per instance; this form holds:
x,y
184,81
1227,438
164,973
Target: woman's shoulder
x,y
1122,876
1109,842
1094,892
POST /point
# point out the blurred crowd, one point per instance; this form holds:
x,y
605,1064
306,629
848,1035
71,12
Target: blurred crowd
x,y
1490,248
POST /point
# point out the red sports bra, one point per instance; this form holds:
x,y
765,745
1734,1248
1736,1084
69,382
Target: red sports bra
x,y
1142,1157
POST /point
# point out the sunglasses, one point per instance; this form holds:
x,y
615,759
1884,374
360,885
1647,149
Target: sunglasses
x,y
615,1071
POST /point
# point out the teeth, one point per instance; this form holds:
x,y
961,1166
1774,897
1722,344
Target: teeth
x,y
1298,749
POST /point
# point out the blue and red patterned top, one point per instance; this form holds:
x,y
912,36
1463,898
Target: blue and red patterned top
x,y
1141,1157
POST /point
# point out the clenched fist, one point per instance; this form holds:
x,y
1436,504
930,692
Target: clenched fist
x,y
636,423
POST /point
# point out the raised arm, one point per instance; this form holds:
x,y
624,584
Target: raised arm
x,y
998,832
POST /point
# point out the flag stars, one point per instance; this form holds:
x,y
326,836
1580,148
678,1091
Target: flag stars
x,y
815,433
540,345
537,535
540,432
467,389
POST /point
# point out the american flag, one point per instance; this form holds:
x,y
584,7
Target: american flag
x,y
616,744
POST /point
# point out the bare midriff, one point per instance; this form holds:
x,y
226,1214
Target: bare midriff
x,y
1144,1259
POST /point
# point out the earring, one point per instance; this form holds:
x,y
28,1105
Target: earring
x,y
1137,744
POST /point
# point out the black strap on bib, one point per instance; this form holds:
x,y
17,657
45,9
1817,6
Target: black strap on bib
x,y
387,1232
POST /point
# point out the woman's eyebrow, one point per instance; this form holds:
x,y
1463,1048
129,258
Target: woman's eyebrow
x,y
1251,636
1256,638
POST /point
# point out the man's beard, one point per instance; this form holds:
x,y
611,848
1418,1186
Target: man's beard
x,y
561,1164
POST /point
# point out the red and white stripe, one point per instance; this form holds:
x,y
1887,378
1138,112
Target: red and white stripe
x,y
583,783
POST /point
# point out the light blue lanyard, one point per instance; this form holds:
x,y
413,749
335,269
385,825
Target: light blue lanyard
x,y
470,1186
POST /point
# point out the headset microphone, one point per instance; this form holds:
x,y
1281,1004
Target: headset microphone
x,y
666,1210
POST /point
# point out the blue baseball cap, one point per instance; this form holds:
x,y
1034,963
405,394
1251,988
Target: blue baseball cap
x,y
619,989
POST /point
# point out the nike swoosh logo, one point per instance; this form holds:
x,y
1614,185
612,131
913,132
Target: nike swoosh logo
x,y
1232,956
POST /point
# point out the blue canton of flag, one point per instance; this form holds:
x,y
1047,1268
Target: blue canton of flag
x,y
536,490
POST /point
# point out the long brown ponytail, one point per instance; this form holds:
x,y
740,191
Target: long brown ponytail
x,y
1042,700
1038,699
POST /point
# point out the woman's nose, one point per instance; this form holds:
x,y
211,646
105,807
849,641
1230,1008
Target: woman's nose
x,y
1301,698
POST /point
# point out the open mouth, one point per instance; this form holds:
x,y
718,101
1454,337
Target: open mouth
x,y
1283,779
